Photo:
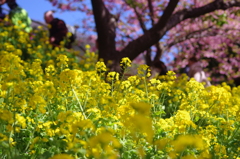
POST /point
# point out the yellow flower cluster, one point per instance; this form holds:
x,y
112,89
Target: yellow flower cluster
x,y
54,106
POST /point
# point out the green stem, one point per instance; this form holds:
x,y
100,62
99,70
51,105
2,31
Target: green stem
x,y
234,133
112,88
29,140
145,84
79,103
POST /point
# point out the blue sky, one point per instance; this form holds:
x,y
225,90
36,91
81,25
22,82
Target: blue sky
x,y
36,9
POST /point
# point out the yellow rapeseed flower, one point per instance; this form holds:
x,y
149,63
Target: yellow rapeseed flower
x,y
62,156
125,63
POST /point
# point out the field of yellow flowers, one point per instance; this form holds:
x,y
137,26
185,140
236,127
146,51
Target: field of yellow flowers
x,y
55,106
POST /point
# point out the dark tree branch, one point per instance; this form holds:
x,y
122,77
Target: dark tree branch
x,y
200,34
143,26
159,49
167,14
158,53
139,17
168,21
144,29
152,36
194,34
148,57
196,12
150,6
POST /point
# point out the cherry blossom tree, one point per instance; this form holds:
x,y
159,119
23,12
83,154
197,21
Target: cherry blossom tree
x,y
207,29
213,39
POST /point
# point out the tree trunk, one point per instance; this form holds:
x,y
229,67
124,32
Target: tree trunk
x,y
106,30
